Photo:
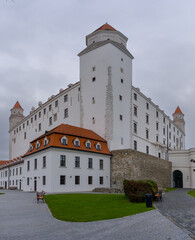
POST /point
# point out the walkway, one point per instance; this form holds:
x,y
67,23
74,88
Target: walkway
x,y
180,207
21,218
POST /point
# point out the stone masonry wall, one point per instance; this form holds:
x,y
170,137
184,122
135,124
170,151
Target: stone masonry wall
x,y
130,164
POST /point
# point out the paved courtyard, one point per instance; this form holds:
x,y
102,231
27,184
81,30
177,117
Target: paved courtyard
x,y
179,206
21,218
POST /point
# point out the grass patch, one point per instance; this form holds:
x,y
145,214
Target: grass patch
x,y
92,207
192,193
170,189
1,193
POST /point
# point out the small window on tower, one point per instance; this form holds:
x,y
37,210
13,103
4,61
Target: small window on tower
x,y
120,97
121,117
121,70
93,120
93,79
121,80
93,69
93,100
121,59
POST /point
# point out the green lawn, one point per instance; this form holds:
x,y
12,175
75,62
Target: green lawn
x,y
1,193
192,193
92,207
170,189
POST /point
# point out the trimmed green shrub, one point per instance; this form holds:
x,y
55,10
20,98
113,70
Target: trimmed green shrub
x,y
136,190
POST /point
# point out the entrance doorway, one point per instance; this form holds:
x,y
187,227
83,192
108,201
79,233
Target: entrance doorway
x,y
177,179
35,184
20,184
5,185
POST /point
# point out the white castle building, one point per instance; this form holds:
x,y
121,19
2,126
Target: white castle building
x,y
104,101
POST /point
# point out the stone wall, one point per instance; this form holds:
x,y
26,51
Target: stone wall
x,y
130,164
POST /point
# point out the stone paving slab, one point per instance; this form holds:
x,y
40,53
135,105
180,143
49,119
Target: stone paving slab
x,y
21,218
180,207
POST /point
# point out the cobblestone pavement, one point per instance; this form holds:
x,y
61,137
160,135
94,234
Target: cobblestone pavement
x,y
179,206
21,218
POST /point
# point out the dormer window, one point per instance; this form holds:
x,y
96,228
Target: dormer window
x,y
38,145
31,148
88,144
46,141
98,146
76,142
64,140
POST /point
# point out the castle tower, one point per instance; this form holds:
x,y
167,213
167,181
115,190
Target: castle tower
x,y
16,115
106,82
178,119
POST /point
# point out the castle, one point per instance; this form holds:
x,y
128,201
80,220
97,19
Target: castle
x,y
103,112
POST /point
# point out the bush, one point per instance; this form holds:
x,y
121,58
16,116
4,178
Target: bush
x,y
136,190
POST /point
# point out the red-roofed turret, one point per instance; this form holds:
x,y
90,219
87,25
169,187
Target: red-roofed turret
x,y
16,116
178,119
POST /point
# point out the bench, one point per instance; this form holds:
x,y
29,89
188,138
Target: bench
x,y
40,196
158,196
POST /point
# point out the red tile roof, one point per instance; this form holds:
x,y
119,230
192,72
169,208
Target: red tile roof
x,y
178,111
105,27
3,162
17,105
71,132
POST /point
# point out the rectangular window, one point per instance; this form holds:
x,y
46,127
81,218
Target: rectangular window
x,y
101,180
23,125
101,164
62,161
156,138
55,117
28,165
135,127
120,97
121,70
147,105
66,113
20,170
24,135
90,180
44,161
121,117
147,149
164,130
122,80
62,180
93,69
35,163
77,180
28,180
39,114
93,79
169,135
164,120
39,127
135,145
90,162
135,111
44,111
56,103
19,128
50,107
66,98
13,172
16,171
50,121
157,114
35,117
44,180
77,162
147,134
157,126
31,120
135,96
147,118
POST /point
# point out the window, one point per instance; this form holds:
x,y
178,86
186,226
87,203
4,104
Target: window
x,y
62,179
156,138
76,142
13,182
55,117
19,128
20,170
121,59
98,146
169,135
163,119
56,103
28,165
65,112
77,180
147,118
169,125
164,141
50,121
31,120
101,180
24,135
44,180
147,105
35,164
93,100
44,161
23,125
135,127
37,145
46,141
159,155
90,180
50,107
135,145
135,96
93,69
66,98
88,144
122,80
121,70
35,117
93,79
157,126
62,161
13,172
147,149
135,111
90,162
93,120
28,180
101,164
44,111
164,131
39,114
147,134
121,117
64,140
157,114
39,127
120,97
77,162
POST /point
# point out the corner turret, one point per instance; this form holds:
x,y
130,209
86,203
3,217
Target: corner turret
x,y
178,119
16,115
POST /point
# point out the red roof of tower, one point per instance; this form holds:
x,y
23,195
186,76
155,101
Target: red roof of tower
x,y
178,111
17,105
106,26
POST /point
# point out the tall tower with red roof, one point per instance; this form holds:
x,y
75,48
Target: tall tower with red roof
x,y
16,115
178,119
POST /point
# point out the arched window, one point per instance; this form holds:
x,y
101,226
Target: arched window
x,y
77,142
46,141
38,145
64,140
98,146
88,144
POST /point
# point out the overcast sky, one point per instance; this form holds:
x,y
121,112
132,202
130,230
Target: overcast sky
x,y
40,40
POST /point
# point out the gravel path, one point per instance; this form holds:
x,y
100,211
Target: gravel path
x,y
21,218
179,206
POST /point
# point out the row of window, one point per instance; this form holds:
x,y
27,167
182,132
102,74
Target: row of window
x,y
15,171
